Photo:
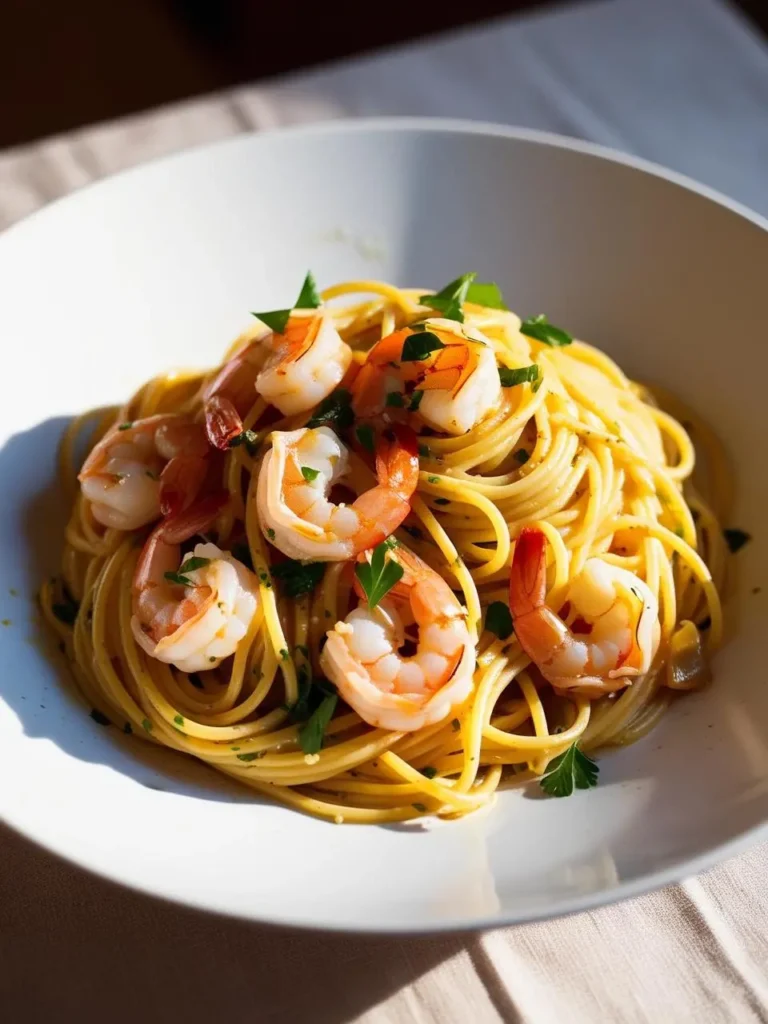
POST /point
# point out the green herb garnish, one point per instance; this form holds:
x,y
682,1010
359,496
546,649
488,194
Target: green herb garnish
x,y
190,565
450,299
365,436
66,610
378,577
571,770
419,807
310,474
429,772
253,756
736,539
424,451
512,376
309,298
541,329
418,347
125,426
146,724
270,533
394,400
416,398
247,437
99,717
498,620
242,553
334,411
297,578
522,456
312,734
178,719
486,294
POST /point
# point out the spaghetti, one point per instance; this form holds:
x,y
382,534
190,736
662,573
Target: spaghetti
x,y
570,447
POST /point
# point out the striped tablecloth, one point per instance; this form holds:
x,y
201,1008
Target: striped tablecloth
x,y
683,82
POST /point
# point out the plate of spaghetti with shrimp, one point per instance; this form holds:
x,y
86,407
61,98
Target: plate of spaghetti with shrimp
x,y
417,559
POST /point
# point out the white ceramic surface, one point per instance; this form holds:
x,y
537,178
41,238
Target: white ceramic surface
x,y
159,267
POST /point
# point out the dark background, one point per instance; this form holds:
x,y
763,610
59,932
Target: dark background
x,y
66,63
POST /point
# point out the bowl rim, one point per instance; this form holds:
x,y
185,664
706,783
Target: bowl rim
x,y
668,875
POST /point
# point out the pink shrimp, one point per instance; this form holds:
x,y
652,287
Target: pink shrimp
x,y
144,469
297,475
191,612
387,689
293,371
614,632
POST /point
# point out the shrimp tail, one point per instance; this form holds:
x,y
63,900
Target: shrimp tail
x,y
528,576
180,483
196,519
222,422
397,460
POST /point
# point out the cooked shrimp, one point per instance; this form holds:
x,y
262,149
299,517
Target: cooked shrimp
x,y
387,689
614,631
459,383
293,371
143,469
191,626
297,475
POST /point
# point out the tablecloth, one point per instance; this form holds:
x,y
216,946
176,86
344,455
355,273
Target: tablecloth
x,y
684,82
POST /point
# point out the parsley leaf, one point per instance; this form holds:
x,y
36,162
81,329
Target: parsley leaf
x,y
541,329
522,456
334,411
125,426
736,539
366,438
416,398
450,299
242,553
486,294
66,610
571,770
429,772
252,756
190,565
510,378
498,620
418,346
394,400
276,319
99,717
309,298
249,438
297,578
312,734
309,474
378,577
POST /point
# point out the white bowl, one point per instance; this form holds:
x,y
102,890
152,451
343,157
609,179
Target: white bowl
x,y
159,267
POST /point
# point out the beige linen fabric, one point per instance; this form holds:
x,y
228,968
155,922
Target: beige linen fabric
x,y
75,948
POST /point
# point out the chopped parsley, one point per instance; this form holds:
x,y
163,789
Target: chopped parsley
x,y
571,770
365,436
450,299
309,474
247,437
125,426
253,756
378,577
424,451
334,411
242,553
498,620
522,456
190,565
419,346
736,539
486,294
419,807
394,400
541,329
178,720
512,376
429,772
297,578
270,533
99,717
66,610
146,725
416,398
312,733
309,298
